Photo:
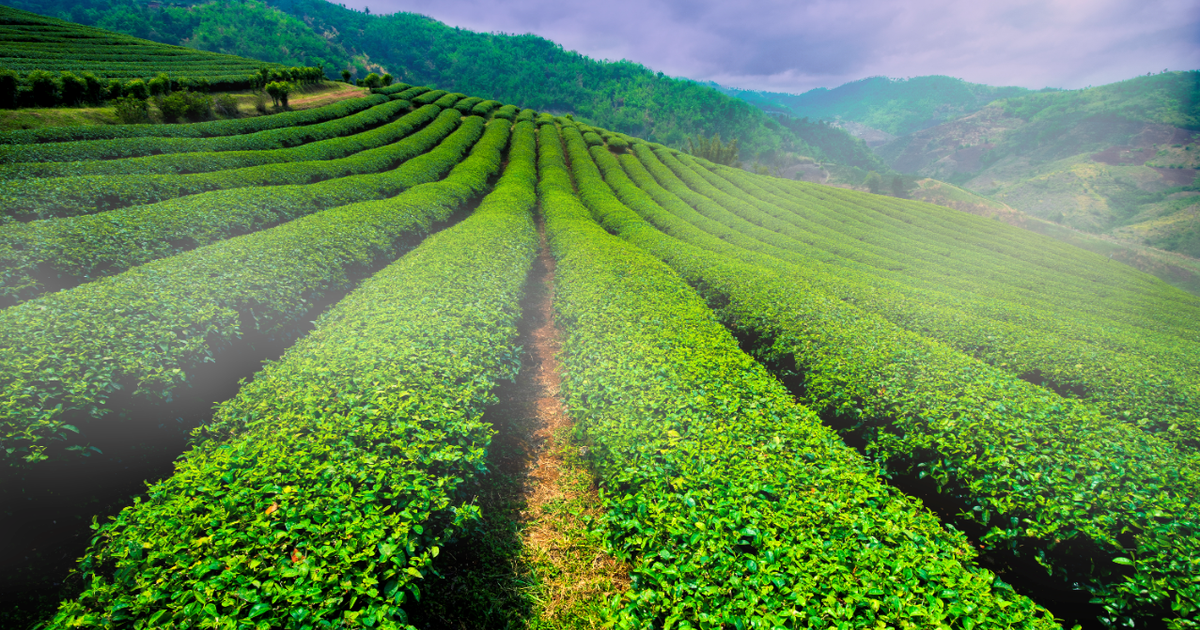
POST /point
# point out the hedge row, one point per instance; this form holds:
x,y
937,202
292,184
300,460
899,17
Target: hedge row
x,y
1158,394
367,152
1044,477
174,314
426,98
484,108
135,147
232,127
324,491
737,506
110,242
340,137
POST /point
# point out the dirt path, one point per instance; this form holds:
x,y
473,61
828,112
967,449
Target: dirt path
x,y
533,563
559,492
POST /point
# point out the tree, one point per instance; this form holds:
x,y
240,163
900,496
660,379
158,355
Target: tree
x,y
345,76
279,90
74,88
372,80
387,79
8,88
159,85
713,150
44,88
873,182
898,187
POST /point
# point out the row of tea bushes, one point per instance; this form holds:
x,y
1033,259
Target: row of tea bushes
x,y
1118,376
1092,500
324,491
213,128
272,138
324,141
367,152
77,248
67,354
738,508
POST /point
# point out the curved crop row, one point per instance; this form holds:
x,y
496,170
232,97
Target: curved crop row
x,y
1043,477
484,108
426,98
66,354
70,250
738,506
976,256
368,152
330,141
1159,398
324,491
271,138
234,127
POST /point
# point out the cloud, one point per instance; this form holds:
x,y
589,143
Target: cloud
x,y
795,46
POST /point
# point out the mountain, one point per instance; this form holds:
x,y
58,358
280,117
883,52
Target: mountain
x,y
1118,159
893,106
526,70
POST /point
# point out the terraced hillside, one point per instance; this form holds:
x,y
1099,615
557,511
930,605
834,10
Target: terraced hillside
x,y
804,406
31,43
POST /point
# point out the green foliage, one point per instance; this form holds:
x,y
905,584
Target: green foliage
x,y
834,144
69,144
178,105
43,88
8,88
86,392
873,182
279,90
373,81
73,89
713,150
325,491
131,110
852,361
734,505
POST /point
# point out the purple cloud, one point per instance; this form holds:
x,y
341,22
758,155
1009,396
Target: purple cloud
x,y
795,46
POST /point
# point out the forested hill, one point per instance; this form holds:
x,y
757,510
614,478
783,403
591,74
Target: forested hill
x,y
895,106
522,69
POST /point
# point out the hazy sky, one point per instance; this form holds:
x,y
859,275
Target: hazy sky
x,y
793,46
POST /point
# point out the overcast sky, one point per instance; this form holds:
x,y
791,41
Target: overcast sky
x,y
796,45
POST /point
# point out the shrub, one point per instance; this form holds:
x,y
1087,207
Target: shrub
x,y
159,85
132,110
44,88
260,101
345,76
372,81
618,143
8,89
137,89
93,88
279,91
189,105
74,88
226,105
387,79
112,91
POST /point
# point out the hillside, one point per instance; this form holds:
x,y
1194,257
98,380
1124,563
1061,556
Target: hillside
x,y
31,42
726,337
522,69
1103,160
